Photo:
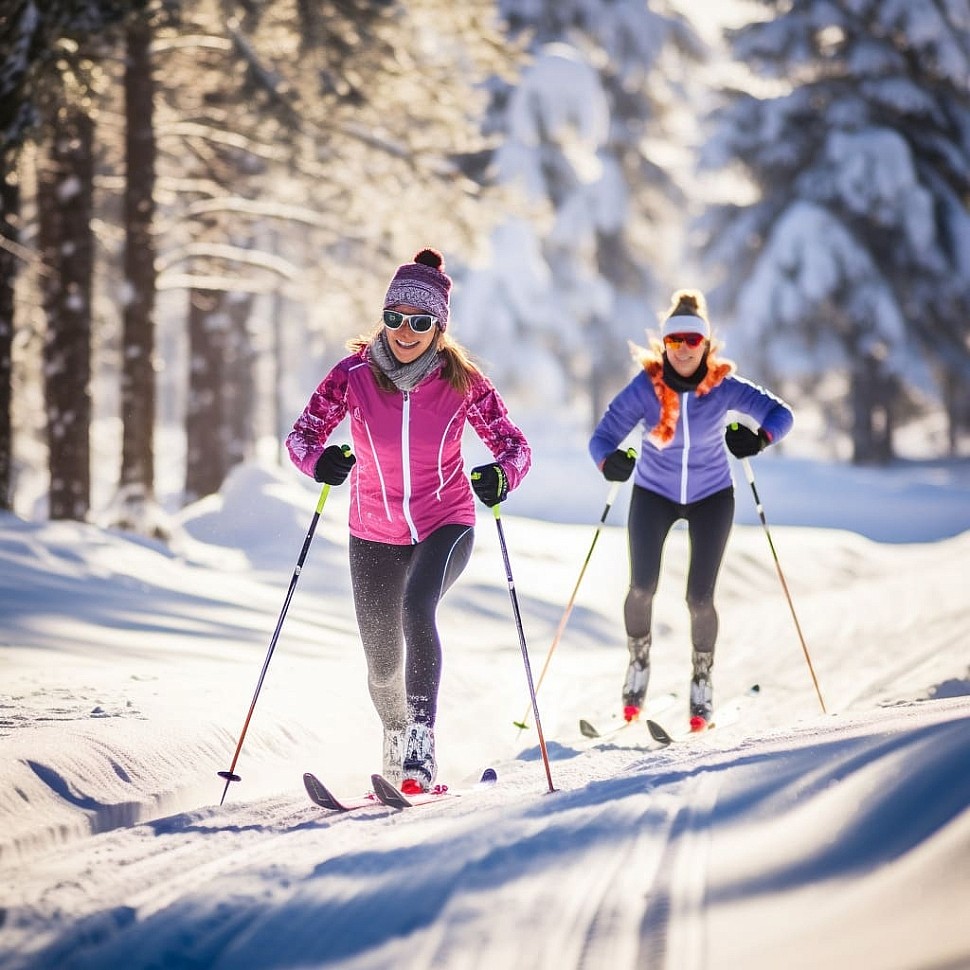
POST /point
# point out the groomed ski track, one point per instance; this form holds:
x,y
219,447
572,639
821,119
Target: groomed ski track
x,y
666,858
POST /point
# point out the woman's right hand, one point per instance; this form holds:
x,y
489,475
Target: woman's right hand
x,y
334,465
618,466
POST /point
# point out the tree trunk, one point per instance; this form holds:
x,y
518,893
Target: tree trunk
x,y
9,218
872,413
138,371
205,459
956,403
239,388
68,245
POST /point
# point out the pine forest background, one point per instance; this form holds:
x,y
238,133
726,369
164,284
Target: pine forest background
x,y
202,201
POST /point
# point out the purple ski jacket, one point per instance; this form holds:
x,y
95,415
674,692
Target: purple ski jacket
x,y
683,456
409,478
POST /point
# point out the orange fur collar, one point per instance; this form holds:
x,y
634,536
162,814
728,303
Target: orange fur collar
x,y
662,432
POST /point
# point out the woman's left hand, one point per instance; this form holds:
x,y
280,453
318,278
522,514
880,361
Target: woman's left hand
x,y
742,442
490,483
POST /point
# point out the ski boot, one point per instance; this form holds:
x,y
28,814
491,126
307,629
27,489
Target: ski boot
x,y
701,691
637,677
419,766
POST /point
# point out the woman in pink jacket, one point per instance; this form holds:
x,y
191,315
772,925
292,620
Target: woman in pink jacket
x,y
408,388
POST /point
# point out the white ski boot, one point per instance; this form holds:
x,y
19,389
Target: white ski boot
x,y
419,766
701,691
637,676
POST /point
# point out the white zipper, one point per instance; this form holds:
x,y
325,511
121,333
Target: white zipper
x,y
683,460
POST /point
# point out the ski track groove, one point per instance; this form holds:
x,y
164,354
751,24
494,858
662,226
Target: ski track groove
x,y
673,927
612,934
593,928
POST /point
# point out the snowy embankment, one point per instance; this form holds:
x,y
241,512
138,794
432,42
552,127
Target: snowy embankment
x,y
786,837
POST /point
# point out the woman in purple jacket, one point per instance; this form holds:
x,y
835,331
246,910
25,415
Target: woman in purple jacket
x,y
408,388
682,395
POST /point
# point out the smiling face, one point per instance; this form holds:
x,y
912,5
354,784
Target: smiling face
x,y
683,358
405,344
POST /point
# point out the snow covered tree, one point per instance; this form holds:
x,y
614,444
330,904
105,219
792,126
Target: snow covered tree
x,y
853,259
50,59
577,271
307,148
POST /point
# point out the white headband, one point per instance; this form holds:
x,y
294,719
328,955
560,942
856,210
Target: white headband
x,y
686,324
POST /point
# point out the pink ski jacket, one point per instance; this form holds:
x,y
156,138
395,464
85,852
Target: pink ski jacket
x,y
409,478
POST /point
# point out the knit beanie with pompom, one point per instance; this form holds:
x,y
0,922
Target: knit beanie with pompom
x,y
422,283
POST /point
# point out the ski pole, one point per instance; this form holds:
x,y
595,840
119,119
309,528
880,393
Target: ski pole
x,y
749,474
525,651
230,775
611,498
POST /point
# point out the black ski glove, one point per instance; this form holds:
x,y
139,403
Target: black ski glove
x,y
742,442
334,465
618,466
490,484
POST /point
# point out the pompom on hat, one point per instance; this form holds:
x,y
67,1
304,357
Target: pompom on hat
x,y
424,284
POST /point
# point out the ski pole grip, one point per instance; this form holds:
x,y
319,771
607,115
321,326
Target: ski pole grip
x,y
745,464
325,491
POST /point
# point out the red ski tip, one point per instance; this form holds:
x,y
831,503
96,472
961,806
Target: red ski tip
x,y
411,787
697,724
630,713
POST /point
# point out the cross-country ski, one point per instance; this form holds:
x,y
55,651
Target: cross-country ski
x,y
385,793
728,713
393,797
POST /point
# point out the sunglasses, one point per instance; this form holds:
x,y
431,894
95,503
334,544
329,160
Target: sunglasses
x,y
418,322
691,339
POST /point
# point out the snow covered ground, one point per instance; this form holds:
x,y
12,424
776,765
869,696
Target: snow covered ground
x,y
784,838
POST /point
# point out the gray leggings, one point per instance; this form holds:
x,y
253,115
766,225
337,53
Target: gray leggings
x,y
396,595
708,526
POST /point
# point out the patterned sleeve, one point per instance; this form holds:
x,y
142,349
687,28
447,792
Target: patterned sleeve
x,y
489,417
324,411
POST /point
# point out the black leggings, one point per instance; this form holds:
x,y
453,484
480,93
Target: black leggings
x,y
708,526
396,594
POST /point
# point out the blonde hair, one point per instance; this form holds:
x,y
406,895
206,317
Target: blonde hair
x,y
457,366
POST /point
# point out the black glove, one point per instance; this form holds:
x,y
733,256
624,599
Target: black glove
x,y
742,442
618,466
490,484
334,465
